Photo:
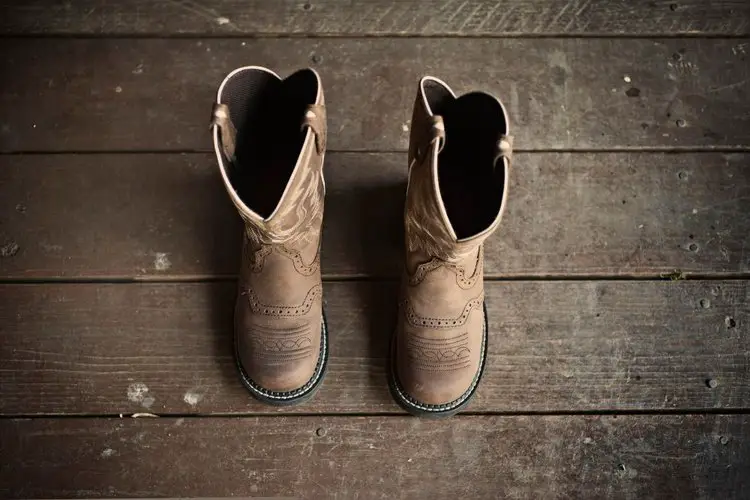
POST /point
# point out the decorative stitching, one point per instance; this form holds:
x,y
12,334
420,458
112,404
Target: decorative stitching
x,y
276,358
448,354
264,331
299,264
428,342
297,393
422,322
270,310
439,354
424,269
456,403
282,345
460,271
439,360
444,367
258,258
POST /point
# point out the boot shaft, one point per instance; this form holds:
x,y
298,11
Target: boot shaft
x,y
270,136
459,157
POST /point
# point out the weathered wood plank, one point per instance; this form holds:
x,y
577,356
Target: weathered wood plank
x,y
583,457
158,216
555,346
380,17
153,94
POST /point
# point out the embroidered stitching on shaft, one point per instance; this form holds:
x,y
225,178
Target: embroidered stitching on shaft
x,y
460,271
258,258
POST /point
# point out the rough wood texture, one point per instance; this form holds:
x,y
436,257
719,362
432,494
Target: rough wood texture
x,y
582,457
598,110
555,346
379,17
155,94
159,215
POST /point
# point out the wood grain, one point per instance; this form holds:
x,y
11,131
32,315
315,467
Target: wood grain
x,y
700,457
160,216
555,346
155,94
379,17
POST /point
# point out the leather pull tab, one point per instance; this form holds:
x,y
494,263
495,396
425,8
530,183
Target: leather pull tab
x,y
436,134
437,131
504,149
221,118
315,119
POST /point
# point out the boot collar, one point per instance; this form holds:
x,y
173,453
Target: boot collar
x,y
224,139
427,141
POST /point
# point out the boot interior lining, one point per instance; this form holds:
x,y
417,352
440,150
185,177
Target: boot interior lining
x,y
436,94
470,185
268,114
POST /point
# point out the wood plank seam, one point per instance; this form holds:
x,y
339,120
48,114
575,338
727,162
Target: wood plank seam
x,y
685,93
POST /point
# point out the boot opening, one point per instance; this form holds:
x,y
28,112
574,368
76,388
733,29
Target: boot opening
x,y
436,94
470,184
267,113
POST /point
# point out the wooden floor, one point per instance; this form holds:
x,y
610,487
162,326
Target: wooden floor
x,y
618,285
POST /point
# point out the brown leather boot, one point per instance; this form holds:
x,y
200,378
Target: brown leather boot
x,y
270,137
459,155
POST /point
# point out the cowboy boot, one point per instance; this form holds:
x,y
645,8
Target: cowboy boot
x,y
269,136
459,155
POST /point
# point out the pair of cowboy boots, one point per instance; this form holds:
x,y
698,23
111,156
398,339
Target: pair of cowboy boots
x,y
269,135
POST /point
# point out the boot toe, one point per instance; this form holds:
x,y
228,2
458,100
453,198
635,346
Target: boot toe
x,y
282,364
436,387
438,368
283,377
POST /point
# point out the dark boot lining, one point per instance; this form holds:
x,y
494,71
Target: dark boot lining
x,y
268,114
470,185
437,95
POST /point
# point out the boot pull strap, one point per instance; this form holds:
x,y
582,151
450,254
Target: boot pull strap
x,y
437,131
221,118
315,119
504,149
436,134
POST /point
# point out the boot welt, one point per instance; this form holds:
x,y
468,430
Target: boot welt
x,y
420,409
296,396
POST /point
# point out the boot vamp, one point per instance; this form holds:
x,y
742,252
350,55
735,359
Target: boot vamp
x,y
278,319
440,341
